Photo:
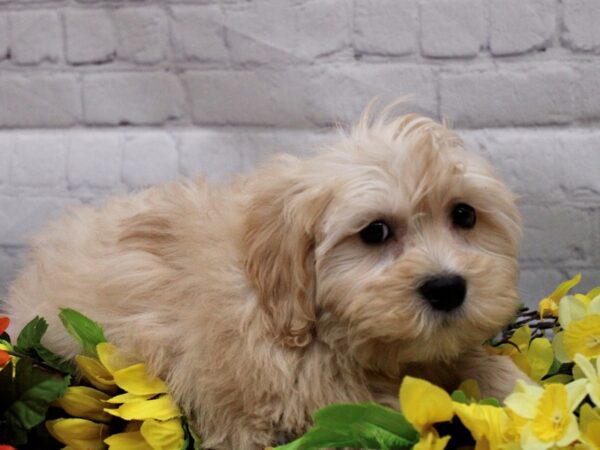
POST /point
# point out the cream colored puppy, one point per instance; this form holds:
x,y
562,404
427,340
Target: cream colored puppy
x,y
306,283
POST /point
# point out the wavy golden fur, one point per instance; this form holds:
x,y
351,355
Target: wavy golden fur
x,y
258,303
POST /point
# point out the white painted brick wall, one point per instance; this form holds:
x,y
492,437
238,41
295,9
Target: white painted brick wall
x,y
99,97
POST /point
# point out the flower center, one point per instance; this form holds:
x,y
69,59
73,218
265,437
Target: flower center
x,y
593,341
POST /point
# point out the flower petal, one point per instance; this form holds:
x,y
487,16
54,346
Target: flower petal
x,y
79,434
4,322
558,345
563,288
161,408
576,393
85,402
541,357
571,308
128,398
96,373
166,435
431,441
111,357
127,441
423,403
135,379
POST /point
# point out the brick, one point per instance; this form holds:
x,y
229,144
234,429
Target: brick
x,y
385,27
39,160
39,100
4,36
35,36
132,98
341,94
268,31
149,158
581,19
248,97
535,96
90,36
585,90
518,26
199,34
556,234
451,28
142,34
94,160
521,156
220,155
22,216
6,150
319,96
577,156
212,154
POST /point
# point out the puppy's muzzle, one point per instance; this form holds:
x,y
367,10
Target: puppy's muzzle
x,y
444,292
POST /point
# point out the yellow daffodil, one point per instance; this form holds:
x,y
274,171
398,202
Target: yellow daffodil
x,y
549,412
153,418
592,376
78,434
533,356
580,320
93,371
424,404
84,402
549,305
590,427
488,424
431,441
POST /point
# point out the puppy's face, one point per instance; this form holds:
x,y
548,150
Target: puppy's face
x,y
410,245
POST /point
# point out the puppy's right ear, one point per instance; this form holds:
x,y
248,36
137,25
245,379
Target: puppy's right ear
x,y
281,222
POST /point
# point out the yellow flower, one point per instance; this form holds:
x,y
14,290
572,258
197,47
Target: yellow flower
x,y
153,417
424,404
592,377
590,426
161,408
583,336
152,435
78,434
85,402
488,424
533,357
96,373
550,304
579,317
549,413
431,441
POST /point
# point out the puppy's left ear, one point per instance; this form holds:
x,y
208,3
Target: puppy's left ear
x,y
281,223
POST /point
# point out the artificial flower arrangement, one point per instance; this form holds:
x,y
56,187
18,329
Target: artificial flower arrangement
x,y
115,404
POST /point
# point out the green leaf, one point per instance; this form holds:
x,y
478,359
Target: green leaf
x,y
195,438
53,360
341,416
460,397
31,334
35,389
366,425
7,387
87,332
492,401
318,437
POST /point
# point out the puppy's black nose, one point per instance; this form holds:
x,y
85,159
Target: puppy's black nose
x,y
444,292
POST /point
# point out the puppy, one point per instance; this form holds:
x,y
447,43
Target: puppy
x,y
309,282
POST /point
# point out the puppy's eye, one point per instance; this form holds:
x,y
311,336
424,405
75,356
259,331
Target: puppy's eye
x,y
463,216
375,233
